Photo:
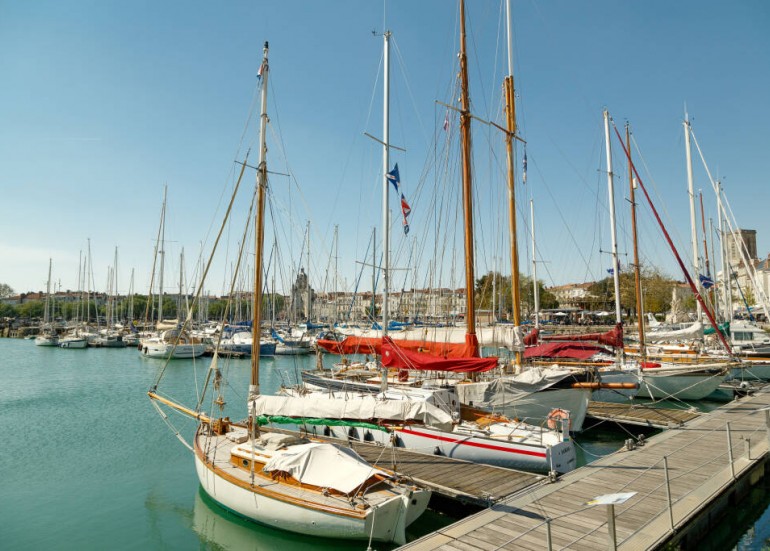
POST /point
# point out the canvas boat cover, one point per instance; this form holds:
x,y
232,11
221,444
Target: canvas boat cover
x,y
571,350
613,337
695,331
393,355
324,465
502,391
367,407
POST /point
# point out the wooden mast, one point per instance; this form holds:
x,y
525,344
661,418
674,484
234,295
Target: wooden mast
x,y
510,111
637,267
465,137
710,292
259,237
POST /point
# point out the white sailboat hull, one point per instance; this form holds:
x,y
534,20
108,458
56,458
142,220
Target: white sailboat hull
x,y
617,396
384,522
559,457
163,350
535,408
693,385
46,340
74,342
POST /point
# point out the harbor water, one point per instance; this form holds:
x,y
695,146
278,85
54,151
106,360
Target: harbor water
x,y
87,462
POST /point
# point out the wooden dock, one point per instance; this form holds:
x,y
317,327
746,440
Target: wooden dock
x,y
682,480
640,414
464,482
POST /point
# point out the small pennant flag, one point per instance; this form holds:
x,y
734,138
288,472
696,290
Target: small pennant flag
x,y
259,72
706,281
394,178
446,121
524,166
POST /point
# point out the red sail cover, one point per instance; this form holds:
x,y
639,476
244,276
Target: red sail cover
x,y
613,337
574,351
394,355
531,337
373,345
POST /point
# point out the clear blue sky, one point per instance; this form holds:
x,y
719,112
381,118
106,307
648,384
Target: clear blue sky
x,y
102,103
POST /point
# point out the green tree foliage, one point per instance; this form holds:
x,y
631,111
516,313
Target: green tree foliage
x,y
656,290
493,281
31,309
6,290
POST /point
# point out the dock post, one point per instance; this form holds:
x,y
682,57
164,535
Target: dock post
x,y
611,527
668,493
747,443
767,424
548,542
730,451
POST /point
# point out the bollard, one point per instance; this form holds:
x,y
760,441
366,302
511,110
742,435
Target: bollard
x,y
668,493
730,451
748,448
611,527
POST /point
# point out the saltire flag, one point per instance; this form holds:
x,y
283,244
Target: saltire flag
x,y
524,166
394,178
706,281
446,121
611,271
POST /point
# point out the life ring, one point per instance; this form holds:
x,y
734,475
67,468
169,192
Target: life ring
x,y
555,417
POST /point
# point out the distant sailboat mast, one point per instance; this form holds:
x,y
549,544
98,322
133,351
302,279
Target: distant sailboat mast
x,y
613,231
693,221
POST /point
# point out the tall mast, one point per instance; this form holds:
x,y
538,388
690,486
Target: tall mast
x,y
336,282
259,237
536,287
613,232
691,193
385,190
726,280
47,311
465,136
710,292
307,277
510,110
637,266
162,254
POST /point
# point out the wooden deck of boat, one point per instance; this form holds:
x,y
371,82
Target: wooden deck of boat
x,y
466,482
641,414
709,461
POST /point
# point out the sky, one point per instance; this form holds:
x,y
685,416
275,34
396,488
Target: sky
x,y
102,104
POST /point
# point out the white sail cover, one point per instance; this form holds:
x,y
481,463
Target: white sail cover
x,y
695,331
324,465
354,408
506,390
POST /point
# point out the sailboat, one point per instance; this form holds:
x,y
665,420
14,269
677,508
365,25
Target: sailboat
x,y
287,481
472,434
48,335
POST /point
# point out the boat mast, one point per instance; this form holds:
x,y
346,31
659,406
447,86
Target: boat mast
x,y
726,282
535,286
510,110
385,190
691,193
162,254
710,292
465,137
259,238
613,231
47,311
637,266
307,277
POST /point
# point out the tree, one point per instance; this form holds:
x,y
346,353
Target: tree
x,y
6,290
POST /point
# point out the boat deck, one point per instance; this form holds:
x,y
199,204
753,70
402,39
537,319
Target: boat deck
x,y
640,414
680,480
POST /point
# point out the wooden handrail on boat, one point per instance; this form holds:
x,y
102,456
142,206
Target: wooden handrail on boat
x,y
612,386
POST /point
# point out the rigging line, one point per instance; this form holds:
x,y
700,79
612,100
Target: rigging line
x,y
577,247
205,273
695,290
402,66
228,304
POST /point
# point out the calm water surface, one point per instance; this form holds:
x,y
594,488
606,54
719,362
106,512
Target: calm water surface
x,y
87,463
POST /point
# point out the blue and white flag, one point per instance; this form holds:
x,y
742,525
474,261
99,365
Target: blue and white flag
x,y
524,168
394,178
611,271
706,281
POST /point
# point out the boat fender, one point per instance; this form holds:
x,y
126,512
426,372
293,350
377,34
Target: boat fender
x,y
555,416
437,451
